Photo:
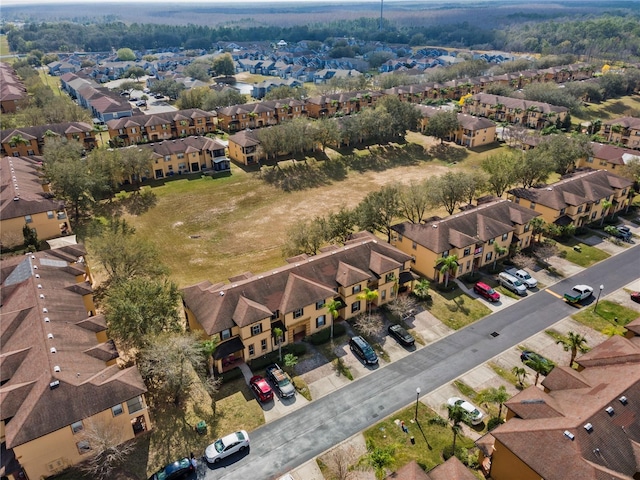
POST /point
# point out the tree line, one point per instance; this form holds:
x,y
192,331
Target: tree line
x,y
608,36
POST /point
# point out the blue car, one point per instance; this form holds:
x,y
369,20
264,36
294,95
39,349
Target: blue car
x,y
178,469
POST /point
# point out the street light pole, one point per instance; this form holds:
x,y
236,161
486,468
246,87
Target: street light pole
x,y
417,398
595,308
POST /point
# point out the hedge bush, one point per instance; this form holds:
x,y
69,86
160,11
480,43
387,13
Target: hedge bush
x,y
323,336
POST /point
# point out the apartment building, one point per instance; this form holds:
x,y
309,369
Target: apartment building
x,y
259,114
472,131
608,157
623,131
12,89
30,141
188,155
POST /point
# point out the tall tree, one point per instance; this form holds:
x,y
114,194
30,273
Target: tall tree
x,y
456,415
574,343
126,55
136,163
70,180
223,65
501,171
521,375
495,395
448,266
333,307
535,167
564,151
442,124
109,446
139,309
448,190
379,209
414,201
368,296
404,115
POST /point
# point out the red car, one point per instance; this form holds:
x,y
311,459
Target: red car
x,y
261,388
635,296
486,291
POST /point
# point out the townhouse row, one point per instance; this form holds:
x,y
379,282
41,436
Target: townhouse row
x,y
12,89
60,385
243,314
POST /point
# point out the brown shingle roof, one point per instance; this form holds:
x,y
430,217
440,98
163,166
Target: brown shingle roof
x,y
464,229
291,286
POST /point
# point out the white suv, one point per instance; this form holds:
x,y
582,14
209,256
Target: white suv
x,y
512,283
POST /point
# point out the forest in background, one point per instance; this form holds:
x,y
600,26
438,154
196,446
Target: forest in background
x,y
606,31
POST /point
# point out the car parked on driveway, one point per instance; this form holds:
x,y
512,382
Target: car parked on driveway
x,y
474,416
401,335
361,348
486,291
512,283
524,277
281,381
178,469
635,296
261,388
530,359
225,446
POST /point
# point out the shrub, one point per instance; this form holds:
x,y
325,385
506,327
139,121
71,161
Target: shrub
x,y
322,336
297,349
261,362
493,423
302,387
449,288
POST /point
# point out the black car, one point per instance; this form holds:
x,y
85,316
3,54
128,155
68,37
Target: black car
x,y
401,335
178,469
529,358
362,349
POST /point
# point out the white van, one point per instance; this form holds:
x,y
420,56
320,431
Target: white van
x,y
512,283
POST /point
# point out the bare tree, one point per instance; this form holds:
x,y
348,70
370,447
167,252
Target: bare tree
x,y
545,250
341,460
524,261
106,440
369,325
401,305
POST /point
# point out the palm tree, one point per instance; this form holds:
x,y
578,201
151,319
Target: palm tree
x,y
456,415
521,375
421,290
333,307
573,342
277,333
499,251
369,296
379,458
208,347
606,205
537,364
18,140
537,228
448,266
495,395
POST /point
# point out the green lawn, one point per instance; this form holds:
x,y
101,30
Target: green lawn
x,y
604,317
613,108
456,309
585,257
430,439
4,45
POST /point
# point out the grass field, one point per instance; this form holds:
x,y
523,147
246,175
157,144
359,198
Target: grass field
x,y
456,309
4,45
605,316
613,108
585,256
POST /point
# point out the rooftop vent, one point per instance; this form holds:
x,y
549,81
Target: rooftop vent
x,y
42,296
35,267
45,310
53,350
221,293
39,285
37,275
609,410
54,384
56,368
569,435
33,257
50,336
623,400
46,319
588,427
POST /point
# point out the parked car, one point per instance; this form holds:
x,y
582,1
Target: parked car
x,y
512,283
401,335
409,314
281,381
578,293
178,469
486,291
474,416
524,277
141,103
158,95
363,350
261,388
528,358
635,296
623,232
225,446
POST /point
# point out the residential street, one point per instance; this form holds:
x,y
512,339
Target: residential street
x,y
286,443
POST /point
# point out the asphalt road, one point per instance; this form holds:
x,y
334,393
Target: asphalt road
x,y
284,444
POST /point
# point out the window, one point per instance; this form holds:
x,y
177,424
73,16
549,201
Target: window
x,y
167,158
445,254
355,307
225,334
491,241
517,199
76,426
468,264
505,236
181,155
298,313
263,344
413,259
135,404
390,277
467,251
357,289
580,209
133,130
414,245
489,256
256,329
50,214
319,304
28,219
593,215
83,447
399,237
562,211
527,227
532,206
320,321
383,295
590,160
117,410
30,152
252,350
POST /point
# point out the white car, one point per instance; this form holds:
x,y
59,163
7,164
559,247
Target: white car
x,y
473,414
225,446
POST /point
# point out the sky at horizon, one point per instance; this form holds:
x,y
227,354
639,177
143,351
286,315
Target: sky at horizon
x,y
207,2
